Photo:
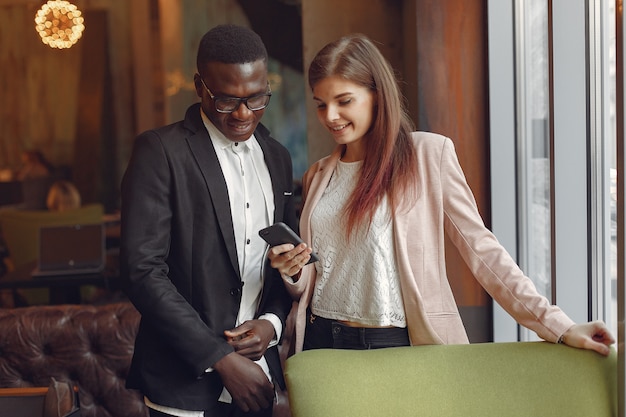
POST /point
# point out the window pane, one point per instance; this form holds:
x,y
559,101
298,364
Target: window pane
x,y
609,138
603,173
534,143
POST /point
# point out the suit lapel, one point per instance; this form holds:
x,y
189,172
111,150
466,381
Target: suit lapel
x,y
206,158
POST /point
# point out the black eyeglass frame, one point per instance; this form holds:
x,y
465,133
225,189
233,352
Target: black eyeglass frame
x,y
238,100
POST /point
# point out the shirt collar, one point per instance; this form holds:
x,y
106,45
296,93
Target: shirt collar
x,y
219,140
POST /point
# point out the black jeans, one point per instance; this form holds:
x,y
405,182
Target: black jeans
x,y
322,333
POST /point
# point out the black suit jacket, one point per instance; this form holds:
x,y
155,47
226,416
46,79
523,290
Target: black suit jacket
x,y
179,260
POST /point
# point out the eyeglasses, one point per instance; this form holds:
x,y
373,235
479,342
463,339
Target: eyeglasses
x,y
230,104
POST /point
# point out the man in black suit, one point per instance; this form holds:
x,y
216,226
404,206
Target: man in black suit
x,y
194,196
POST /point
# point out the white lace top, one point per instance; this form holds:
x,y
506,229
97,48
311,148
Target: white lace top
x,y
355,281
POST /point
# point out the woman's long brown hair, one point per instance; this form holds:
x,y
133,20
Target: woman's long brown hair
x,y
390,166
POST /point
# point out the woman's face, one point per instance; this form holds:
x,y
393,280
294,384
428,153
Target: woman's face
x,y
346,109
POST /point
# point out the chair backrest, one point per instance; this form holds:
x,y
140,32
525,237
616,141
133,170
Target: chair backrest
x,y
20,228
485,379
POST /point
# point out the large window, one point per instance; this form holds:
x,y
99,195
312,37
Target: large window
x,y
604,163
532,115
553,135
533,144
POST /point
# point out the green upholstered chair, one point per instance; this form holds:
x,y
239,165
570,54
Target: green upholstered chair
x,y
489,379
20,231
20,228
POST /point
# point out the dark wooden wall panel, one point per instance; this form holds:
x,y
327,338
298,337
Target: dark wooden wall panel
x,y
453,101
94,121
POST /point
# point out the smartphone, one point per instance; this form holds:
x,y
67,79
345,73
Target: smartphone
x,y
279,233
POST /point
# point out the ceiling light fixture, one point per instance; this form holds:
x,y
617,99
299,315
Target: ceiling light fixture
x,y
59,23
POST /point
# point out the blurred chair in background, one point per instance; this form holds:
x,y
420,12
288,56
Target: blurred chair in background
x,y
20,228
20,231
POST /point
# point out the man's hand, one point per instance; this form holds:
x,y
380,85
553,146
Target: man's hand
x,y
246,382
252,338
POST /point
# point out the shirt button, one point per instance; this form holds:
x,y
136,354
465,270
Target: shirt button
x,y
247,241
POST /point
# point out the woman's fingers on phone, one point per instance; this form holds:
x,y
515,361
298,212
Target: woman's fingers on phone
x,y
282,256
302,258
276,252
305,256
298,262
285,257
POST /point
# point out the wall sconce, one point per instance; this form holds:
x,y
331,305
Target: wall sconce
x,y
59,23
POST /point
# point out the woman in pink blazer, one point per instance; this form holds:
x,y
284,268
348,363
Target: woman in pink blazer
x,y
375,211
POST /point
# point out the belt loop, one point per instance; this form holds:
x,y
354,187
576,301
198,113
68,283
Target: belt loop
x,y
362,337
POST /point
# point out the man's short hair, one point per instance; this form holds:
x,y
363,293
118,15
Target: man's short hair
x,y
230,44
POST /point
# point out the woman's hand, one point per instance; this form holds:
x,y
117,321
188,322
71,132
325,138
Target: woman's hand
x,y
288,259
593,336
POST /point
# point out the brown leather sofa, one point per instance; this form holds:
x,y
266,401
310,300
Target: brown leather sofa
x,y
90,346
